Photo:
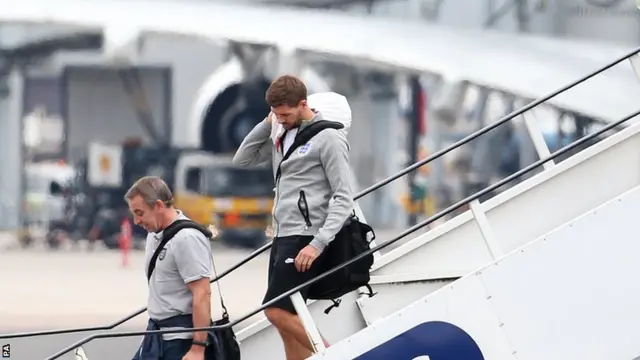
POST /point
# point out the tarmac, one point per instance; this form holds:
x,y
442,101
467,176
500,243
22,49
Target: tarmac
x,y
70,288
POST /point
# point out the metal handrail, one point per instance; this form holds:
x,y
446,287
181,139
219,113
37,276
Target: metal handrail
x,y
412,229
366,191
132,315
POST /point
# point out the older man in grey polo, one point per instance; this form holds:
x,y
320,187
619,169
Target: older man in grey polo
x,y
179,287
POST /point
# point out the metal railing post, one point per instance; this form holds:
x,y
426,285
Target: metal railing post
x,y
537,138
635,64
485,229
307,322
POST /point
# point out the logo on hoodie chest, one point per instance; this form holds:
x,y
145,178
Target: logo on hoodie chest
x,y
304,149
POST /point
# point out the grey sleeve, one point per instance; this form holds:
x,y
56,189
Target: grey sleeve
x,y
256,148
192,254
334,156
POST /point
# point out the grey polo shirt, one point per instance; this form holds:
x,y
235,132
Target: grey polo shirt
x,y
186,258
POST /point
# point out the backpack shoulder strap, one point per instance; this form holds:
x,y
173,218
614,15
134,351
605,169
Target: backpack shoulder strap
x,y
168,234
303,136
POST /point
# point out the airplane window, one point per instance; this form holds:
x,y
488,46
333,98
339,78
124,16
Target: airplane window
x,y
233,181
193,177
55,188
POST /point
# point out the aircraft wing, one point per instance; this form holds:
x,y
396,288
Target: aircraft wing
x,y
526,66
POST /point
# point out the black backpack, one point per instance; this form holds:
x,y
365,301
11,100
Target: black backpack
x,y
228,347
349,242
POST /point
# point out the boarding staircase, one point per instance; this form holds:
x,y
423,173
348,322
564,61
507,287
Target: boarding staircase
x,y
434,279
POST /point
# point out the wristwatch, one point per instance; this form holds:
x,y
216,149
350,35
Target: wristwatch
x,y
200,343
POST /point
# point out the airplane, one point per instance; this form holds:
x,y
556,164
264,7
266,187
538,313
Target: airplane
x,y
262,44
526,66
259,37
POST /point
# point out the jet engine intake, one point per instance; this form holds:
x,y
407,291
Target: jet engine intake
x,y
228,106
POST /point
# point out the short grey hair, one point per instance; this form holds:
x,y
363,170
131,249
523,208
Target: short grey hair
x,y
150,189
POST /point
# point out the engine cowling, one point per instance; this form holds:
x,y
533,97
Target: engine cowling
x,y
219,121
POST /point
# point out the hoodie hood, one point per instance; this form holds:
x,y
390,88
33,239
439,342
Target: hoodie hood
x,y
333,107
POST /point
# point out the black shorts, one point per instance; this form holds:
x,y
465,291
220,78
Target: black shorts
x,y
283,275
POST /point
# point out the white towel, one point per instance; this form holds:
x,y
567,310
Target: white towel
x,y
331,105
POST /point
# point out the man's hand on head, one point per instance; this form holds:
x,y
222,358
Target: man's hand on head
x,y
269,118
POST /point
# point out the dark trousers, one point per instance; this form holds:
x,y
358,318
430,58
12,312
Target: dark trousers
x,y
283,275
175,349
154,347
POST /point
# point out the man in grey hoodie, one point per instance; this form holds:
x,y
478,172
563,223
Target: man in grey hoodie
x,y
305,220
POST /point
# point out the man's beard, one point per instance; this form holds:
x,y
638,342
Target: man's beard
x,y
293,126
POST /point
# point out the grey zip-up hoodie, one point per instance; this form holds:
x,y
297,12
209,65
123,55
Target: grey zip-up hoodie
x,y
314,174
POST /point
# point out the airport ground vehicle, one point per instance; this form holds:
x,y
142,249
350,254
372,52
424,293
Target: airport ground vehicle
x,y
237,201
207,187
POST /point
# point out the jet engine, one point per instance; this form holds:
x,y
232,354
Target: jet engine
x,y
229,105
